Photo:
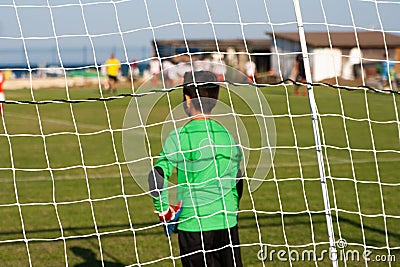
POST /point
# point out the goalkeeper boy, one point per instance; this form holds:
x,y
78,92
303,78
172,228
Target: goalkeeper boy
x,y
207,161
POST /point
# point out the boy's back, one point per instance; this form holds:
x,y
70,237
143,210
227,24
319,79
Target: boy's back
x,y
207,161
208,166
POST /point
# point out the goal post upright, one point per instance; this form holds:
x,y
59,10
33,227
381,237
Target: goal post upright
x,y
317,137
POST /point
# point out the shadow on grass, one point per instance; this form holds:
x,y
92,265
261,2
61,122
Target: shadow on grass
x,y
380,230
244,223
90,259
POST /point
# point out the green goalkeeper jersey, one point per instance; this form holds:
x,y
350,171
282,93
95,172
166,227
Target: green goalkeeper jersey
x,y
207,161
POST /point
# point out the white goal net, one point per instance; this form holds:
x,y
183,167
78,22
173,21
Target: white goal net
x,y
90,90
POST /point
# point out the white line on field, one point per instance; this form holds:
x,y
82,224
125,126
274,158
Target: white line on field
x,y
94,127
332,161
55,121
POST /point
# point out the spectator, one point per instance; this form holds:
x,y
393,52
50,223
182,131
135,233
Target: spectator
x,y
250,67
219,66
202,64
182,68
170,73
155,70
388,74
133,70
355,58
2,98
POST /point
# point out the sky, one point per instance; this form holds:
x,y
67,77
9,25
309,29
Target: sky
x,y
89,30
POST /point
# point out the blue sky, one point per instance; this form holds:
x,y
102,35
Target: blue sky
x,y
102,26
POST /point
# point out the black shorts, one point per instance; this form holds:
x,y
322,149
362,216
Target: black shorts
x,y
114,78
191,242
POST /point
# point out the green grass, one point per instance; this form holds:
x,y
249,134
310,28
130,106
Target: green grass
x,y
62,170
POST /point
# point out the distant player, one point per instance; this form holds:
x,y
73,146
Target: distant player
x,y
113,65
207,160
300,74
2,98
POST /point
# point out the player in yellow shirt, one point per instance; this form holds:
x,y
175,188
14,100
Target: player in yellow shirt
x,y
113,66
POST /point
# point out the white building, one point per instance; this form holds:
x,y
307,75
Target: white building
x,y
335,54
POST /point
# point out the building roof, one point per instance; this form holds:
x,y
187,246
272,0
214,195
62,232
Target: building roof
x,y
371,39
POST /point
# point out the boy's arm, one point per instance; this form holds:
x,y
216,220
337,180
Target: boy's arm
x,y
239,184
167,213
156,180
160,173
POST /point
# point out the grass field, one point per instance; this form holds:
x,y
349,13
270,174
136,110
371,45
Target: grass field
x,y
65,186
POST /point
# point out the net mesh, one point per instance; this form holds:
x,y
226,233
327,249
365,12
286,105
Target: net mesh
x,y
75,157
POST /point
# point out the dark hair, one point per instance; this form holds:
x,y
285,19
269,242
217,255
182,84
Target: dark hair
x,y
205,91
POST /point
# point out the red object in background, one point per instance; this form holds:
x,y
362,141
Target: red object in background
x,y
133,63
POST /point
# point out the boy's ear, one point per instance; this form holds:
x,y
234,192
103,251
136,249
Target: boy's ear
x,y
186,104
188,100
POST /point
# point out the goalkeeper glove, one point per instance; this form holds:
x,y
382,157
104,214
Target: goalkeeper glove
x,y
170,218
